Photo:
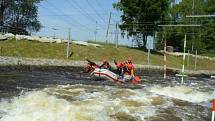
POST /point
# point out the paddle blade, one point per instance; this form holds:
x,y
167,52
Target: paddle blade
x,y
136,80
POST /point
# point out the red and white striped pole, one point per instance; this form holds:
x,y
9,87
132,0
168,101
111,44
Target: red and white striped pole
x,y
213,112
164,76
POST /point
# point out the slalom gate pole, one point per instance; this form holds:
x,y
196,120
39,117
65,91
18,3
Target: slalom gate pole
x,y
195,61
213,111
164,76
185,41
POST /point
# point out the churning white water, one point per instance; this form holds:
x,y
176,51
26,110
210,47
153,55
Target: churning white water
x,y
99,103
183,93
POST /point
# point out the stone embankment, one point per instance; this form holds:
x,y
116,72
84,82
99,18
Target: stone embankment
x,y
9,36
15,61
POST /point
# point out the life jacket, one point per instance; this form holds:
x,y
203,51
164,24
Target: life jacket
x,y
119,65
120,69
129,69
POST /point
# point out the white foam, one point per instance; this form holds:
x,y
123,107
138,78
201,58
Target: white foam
x,y
41,106
89,96
183,93
98,106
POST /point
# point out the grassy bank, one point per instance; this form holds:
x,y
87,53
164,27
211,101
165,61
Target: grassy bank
x,y
34,49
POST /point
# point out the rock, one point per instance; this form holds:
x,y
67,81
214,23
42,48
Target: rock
x,y
20,37
64,41
2,37
80,43
58,40
96,45
9,35
44,39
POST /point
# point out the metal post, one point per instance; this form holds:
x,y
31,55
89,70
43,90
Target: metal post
x,y
164,76
188,58
69,37
54,35
108,28
148,56
184,55
116,35
95,35
195,60
96,31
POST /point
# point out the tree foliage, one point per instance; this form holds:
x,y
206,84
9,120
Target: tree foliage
x,y
20,15
201,38
140,17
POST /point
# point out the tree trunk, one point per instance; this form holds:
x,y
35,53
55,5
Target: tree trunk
x,y
144,40
1,13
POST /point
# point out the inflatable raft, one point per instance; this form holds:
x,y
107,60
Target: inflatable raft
x,y
105,74
98,73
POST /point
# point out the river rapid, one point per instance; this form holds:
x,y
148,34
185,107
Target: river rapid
x,y
70,96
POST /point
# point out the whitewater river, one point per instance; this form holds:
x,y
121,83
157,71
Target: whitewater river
x,y
66,96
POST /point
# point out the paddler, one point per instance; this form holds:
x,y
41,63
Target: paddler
x,y
120,68
130,67
129,70
134,79
90,66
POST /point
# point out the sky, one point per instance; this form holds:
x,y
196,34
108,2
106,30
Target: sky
x,y
83,17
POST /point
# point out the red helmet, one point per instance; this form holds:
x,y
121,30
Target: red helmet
x,y
104,61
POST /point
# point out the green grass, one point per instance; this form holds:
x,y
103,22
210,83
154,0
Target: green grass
x,y
32,49
209,54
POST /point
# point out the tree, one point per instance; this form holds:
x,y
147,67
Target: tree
x,y
210,6
201,38
20,16
139,17
3,5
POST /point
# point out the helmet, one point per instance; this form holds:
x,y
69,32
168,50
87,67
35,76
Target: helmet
x,y
129,60
104,60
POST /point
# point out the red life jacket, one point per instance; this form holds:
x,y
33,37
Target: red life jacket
x,y
129,69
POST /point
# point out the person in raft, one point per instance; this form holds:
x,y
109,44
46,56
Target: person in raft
x,y
129,71
105,65
119,69
125,70
90,66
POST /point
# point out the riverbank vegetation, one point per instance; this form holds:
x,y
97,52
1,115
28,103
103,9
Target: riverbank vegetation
x,y
33,49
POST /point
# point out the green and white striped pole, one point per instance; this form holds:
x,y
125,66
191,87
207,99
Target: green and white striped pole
x,y
184,55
